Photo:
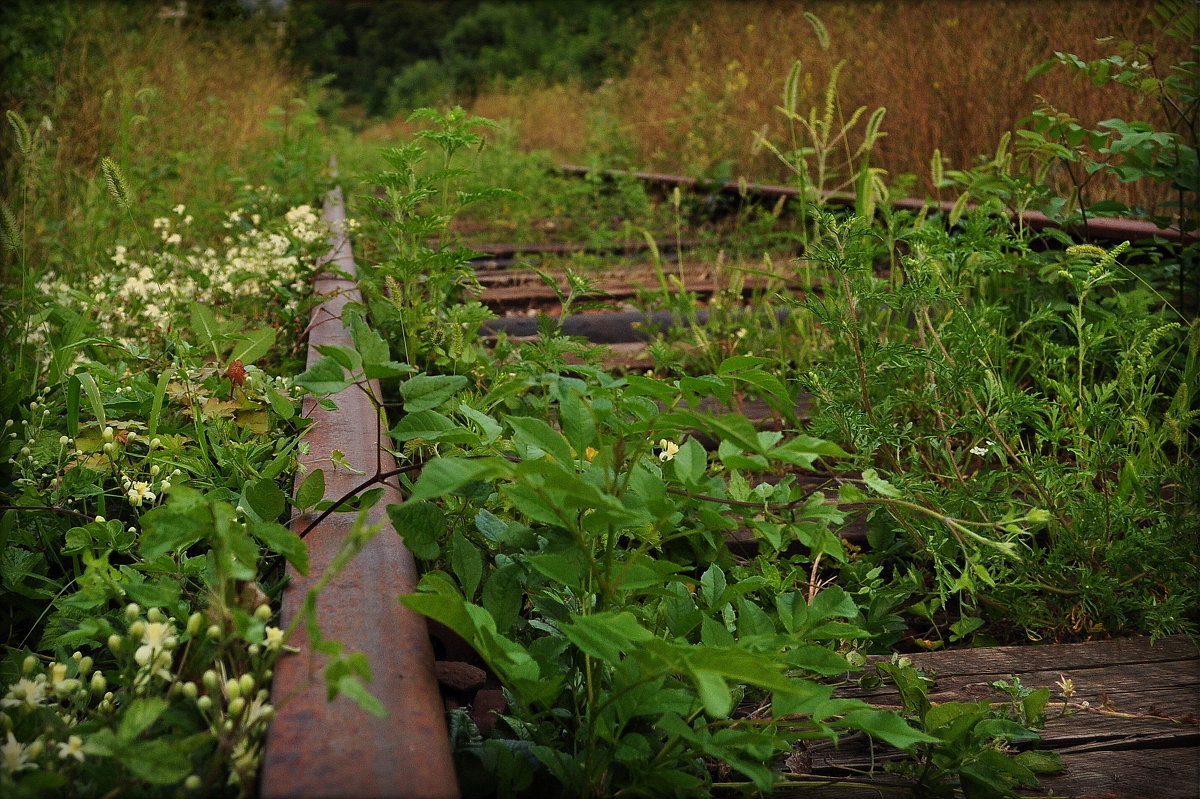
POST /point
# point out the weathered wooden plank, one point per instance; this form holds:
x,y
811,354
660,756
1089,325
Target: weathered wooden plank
x,y
1107,774
1003,660
1137,736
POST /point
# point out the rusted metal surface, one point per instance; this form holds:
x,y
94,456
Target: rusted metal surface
x,y
316,748
1109,228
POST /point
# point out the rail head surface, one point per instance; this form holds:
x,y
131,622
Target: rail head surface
x,y
317,749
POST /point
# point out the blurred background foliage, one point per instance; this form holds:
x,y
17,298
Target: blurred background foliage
x,y
682,86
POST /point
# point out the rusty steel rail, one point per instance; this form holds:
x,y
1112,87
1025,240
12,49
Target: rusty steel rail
x,y
1109,228
317,749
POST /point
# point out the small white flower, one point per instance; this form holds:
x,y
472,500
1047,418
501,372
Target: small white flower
x,y
669,449
72,747
273,638
981,451
140,492
13,755
26,692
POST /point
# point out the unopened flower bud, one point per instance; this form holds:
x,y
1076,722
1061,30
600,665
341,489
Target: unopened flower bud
x,y
155,614
236,706
193,782
204,703
190,690
246,681
98,685
137,629
132,611
232,689
194,621
262,612
214,632
85,664
108,434
114,643
29,664
34,750
210,680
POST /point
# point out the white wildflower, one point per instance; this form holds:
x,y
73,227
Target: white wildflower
x,y
72,747
13,755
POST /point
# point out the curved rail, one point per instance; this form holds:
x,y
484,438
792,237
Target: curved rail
x,y
316,748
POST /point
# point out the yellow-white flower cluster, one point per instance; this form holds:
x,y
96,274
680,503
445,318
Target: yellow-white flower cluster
x,y
151,291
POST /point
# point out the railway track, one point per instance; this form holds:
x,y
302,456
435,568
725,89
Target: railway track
x,y
321,749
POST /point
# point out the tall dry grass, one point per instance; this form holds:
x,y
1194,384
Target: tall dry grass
x,y
179,108
950,74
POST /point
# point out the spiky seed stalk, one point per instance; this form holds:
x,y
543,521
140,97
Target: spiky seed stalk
x,y
115,181
10,233
21,130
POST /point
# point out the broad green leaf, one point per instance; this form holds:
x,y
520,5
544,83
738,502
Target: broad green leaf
x,y
158,762
575,418
443,476
753,620
249,347
879,485
886,726
488,427
311,491
503,595
713,692
280,539
1006,729
819,660
262,500
346,357
467,562
353,689
160,592
88,383
204,324
530,432
833,601
712,586
1040,761
1034,704
426,392
714,633
691,464
430,426
943,714
606,635
326,376
422,525
168,528
280,405
138,716
564,570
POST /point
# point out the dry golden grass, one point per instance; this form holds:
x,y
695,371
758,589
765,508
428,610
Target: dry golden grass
x,y
158,98
950,74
